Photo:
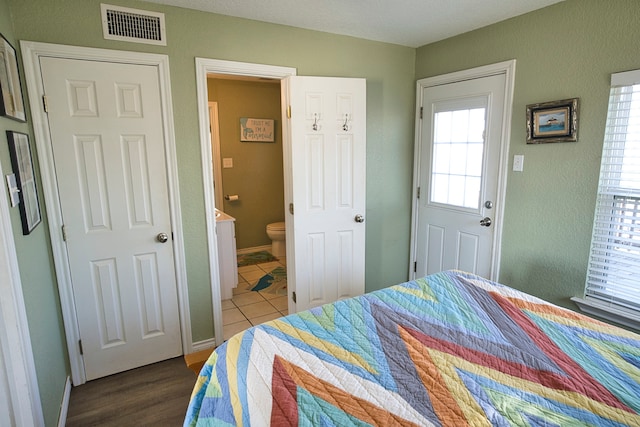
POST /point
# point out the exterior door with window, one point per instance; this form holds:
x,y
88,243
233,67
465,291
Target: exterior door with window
x,y
460,140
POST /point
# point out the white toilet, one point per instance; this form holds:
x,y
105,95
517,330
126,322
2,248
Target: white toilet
x,y
276,233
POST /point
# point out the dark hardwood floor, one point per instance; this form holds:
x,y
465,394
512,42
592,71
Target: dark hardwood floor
x,y
156,395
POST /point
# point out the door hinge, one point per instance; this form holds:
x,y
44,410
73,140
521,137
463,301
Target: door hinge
x,y
421,109
45,103
418,193
80,346
415,266
293,296
291,208
289,112
64,233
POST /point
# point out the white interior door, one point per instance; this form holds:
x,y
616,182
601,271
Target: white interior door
x,y
460,152
325,154
107,137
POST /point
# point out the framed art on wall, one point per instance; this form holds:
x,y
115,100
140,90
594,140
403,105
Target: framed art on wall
x,y
22,163
555,121
256,130
12,105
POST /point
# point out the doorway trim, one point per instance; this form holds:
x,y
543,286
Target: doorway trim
x,y
204,67
507,68
217,158
18,377
31,53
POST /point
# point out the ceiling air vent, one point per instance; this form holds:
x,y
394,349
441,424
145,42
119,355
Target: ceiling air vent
x,y
133,25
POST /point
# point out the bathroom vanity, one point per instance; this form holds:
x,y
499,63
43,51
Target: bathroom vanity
x,y
227,258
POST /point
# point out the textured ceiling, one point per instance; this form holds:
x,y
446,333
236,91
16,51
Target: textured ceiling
x,y
410,23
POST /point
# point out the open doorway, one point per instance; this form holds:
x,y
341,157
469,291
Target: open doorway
x,y
230,70
250,169
246,140
324,183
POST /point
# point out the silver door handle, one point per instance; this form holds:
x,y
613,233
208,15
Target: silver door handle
x,y
359,218
162,237
485,222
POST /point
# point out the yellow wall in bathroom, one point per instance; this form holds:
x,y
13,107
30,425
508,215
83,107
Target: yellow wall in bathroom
x,y
257,173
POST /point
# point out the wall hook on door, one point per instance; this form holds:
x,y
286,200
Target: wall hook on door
x,y
315,122
345,126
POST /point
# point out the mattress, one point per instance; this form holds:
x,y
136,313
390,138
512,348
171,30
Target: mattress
x,y
450,349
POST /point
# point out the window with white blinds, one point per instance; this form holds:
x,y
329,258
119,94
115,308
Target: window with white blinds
x,y
613,277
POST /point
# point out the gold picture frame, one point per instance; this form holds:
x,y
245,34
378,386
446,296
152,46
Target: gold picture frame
x,y
555,121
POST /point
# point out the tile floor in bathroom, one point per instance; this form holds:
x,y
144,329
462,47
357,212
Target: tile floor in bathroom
x,y
248,308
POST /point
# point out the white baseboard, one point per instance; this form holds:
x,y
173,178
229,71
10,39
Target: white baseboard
x,y
254,249
64,406
204,344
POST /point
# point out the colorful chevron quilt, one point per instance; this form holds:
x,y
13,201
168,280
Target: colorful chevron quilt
x,y
451,349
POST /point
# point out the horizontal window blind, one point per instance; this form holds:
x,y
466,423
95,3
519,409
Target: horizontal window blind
x,y
614,265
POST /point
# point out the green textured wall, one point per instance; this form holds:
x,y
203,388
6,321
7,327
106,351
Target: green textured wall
x,y
564,51
39,285
567,50
257,175
389,70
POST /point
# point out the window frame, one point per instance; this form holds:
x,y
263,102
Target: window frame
x,y
615,244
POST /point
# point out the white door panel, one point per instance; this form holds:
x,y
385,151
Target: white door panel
x,y
459,164
108,143
327,132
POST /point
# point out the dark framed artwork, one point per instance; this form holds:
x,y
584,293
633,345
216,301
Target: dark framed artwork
x,y
11,104
22,163
555,121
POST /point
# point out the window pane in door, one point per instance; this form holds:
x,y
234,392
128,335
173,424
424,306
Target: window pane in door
x,y
442,132
456,172
443,153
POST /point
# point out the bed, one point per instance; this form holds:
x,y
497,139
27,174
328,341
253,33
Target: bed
x,y
450,349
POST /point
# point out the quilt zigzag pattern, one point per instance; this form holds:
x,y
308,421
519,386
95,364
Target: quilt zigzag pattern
x,y
450,349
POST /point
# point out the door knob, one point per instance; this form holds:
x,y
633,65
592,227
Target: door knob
x,y
162,237
359,218
485,222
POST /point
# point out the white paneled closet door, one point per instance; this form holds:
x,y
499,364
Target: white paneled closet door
x,y
106,129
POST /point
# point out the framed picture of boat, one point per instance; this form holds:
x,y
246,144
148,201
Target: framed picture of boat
x,y
555,121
